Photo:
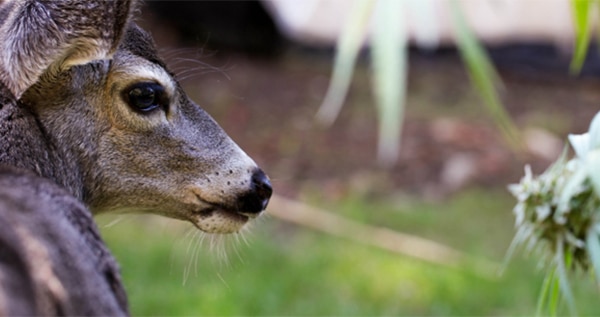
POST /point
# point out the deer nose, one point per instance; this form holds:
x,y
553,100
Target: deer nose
x,y
262,187
257,199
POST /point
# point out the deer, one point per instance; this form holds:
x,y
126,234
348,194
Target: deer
x,y
92,121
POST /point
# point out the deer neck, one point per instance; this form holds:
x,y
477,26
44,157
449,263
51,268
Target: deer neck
x,y
25,145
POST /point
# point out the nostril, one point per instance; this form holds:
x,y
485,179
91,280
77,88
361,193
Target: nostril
x,y
262,187
257,197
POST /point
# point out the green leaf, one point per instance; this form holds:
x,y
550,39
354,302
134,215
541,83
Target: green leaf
x,y
484,77
427,35
554,299
561,273
389,59
581,15
544,297
348,47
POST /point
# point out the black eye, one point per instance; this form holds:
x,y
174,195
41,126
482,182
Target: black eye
x,y
145,97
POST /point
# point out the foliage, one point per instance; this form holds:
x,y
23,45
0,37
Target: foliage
x,y
556,211
390,66
389,58
582,13
483,76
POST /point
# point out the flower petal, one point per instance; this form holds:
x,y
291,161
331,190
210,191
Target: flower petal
x,y
572,187
580,143
593,169
595,132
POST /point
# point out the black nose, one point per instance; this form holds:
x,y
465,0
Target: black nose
x,y
262,187
257,198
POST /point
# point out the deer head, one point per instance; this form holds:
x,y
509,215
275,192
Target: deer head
x,y
117,129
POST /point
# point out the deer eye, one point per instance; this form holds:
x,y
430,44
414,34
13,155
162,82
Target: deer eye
x,y
145,97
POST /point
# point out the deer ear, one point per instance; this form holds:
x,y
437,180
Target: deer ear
x,y
51,36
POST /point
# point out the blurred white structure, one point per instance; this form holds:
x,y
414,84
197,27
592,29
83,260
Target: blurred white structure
x,y
319,22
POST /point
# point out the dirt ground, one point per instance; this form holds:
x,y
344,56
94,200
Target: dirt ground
x,y
449,142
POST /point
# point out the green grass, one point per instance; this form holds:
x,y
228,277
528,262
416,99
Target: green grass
x,y
287,270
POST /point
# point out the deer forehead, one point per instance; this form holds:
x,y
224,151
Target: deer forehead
x,y
129,69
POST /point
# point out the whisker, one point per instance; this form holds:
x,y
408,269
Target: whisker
x,y
115,221
189,232
237,250
171,53
182,71
246,241
197,253
197,64
224,282
186,75
219,247
187,269
198,71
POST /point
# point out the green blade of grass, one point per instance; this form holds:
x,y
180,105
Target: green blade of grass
x,y
545,293
483,77
389,59
348,47
596,7
581,15
554,296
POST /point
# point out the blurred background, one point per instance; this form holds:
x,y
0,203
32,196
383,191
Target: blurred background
x,y
426,236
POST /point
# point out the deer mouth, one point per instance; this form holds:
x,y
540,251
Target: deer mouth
x,y
218,219
234,215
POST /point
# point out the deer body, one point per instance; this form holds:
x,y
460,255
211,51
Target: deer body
x,y
52,259
92,121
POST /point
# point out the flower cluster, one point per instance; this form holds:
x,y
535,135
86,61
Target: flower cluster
x,y
558,212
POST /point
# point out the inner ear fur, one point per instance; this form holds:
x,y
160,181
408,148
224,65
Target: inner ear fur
x,y
51,36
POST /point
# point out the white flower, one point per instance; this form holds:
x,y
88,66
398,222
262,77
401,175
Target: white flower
x,y
519,212
519,191
573,187
542,212
560,218
570,238
587,149
560,209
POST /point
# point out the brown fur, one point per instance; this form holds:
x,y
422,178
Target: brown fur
x,y
72,143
